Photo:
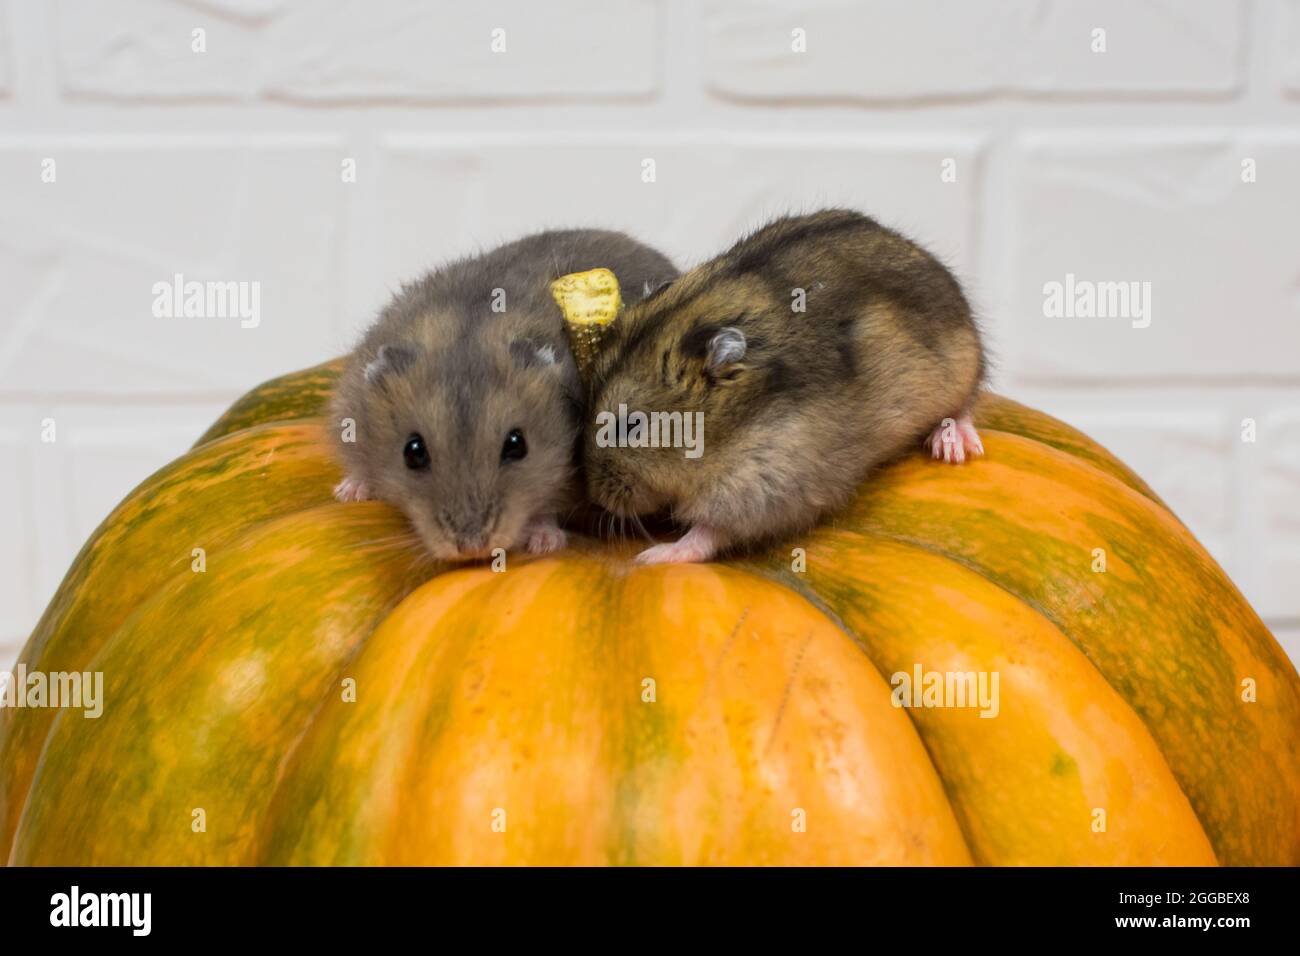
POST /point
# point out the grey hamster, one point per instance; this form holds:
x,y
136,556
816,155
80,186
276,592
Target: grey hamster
x,y
466,399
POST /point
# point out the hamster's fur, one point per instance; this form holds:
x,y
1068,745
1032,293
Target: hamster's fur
x,y
441,364
797,406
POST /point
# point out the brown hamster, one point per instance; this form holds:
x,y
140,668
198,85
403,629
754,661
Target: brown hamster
x,y
794,408
464,398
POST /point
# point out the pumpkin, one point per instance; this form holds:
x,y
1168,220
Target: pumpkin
x,y
314,691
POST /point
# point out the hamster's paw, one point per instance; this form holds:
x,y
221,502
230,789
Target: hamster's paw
x,y
698,544
545,536
352,489
954,440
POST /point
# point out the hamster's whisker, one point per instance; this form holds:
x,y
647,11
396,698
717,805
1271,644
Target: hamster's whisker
x,y
395,539
415,550
409,545
640,526
568,515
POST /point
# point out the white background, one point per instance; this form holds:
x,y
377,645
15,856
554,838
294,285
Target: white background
x,y
225,165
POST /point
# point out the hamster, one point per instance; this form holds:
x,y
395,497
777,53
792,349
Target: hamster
x,y
466,401
794,407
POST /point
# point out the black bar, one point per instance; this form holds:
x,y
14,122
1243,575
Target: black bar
x,y
555,905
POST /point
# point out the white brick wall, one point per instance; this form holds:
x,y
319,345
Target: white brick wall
x,y
903,52
1122,165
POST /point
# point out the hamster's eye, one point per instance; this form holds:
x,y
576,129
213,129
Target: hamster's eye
x,y
415,452
515,446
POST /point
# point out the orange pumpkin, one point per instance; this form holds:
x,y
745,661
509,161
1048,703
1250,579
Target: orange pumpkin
x,y
319,693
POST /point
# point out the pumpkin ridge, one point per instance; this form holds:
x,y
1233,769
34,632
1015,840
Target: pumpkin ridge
x,y
1151,554
305,392
633,753
345,665
1044,650
202,704
999,413
314,777
1058,454
63,641
153,484
783,576
708,792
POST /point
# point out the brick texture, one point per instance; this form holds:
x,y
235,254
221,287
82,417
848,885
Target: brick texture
x,y
131,211
335,51
1171,210
1171,158
883,50
707,189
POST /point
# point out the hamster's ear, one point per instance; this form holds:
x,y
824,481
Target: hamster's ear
x,y
530,353
725,348
649,291
390,358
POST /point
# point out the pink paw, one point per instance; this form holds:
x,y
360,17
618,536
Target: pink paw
x,y
954,440
545,536
352,489
698,544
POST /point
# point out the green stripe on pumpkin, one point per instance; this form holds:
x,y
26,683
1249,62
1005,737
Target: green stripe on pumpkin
x,y
1163,624
204,718
302,394
202,500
